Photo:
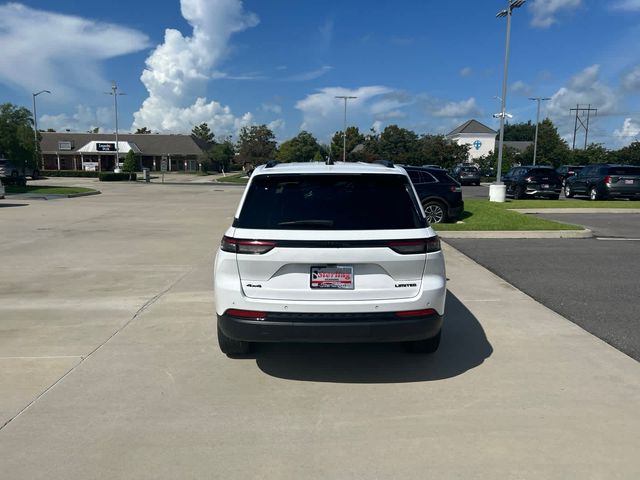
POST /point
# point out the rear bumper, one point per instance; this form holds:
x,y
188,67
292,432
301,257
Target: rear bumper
x,y
330,328
455,212
622,193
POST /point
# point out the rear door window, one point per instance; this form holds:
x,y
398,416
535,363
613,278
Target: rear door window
x,y
330,202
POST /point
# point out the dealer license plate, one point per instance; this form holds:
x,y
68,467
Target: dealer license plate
x,y
544,186
628,182
339,276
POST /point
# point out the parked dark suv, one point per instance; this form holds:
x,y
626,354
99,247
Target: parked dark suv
x,y
604,181
533,181
466,175
440,195
566,171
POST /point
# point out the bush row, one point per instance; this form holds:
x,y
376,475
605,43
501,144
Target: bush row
x,y
68,173
116,177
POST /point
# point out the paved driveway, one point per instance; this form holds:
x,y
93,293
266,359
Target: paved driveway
x,y
593,282
109,367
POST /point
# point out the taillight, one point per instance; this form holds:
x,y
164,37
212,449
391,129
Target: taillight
x,y
422,245
255,315
416,313
251,247
607,180
528,179
455,188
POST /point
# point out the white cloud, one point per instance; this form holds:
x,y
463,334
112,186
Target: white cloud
x,y
584,88
322,111
464,108
545,12
466,72
277,124
178,70
61,53
84,119
631,81
272,107
311,75
626,5
377,126
521,88
628,133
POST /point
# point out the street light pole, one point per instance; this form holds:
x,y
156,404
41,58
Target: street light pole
x,y
114,92
512,4
535,142
35,127
344,130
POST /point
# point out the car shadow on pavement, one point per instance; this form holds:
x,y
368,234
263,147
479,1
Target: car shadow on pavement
x,y
464,346
3,204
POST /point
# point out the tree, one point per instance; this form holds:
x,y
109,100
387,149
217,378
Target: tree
x,y
301,148
16,135
203,132
130,164
629,155
354,138
510,158
143,131
220,155
437,150
398,145
256,145
519,132
594,153
95,130
552,148
51,130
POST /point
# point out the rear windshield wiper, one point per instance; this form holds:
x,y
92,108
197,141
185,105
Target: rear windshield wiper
x,y
307,223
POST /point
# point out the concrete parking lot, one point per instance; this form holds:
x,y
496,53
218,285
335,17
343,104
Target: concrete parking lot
x,y
109,366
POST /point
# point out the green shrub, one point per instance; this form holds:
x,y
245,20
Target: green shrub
x,y
116,177
130,162
68,173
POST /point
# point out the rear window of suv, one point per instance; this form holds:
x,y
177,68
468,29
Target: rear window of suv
x,y
623,171
330,202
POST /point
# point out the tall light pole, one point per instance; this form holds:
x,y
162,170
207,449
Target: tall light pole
x,y
535,142
511,5
35,127
115,93
344,130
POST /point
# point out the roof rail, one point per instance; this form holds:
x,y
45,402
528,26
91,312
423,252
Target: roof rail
x,y
386,163
271,164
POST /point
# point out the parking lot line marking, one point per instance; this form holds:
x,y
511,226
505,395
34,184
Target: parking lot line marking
x,y
619,239
46,357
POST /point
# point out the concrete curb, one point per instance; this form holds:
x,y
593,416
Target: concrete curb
x,y
586,233
575,210
83,194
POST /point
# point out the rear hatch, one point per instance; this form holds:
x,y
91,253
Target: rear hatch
x,y
331,237
543,179
625,180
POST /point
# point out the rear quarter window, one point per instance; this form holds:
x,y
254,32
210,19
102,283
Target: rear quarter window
x,y
330,202
623,171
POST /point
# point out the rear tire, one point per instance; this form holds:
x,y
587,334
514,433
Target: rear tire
x,y
229,346
428,345
593,194
519,193
435,211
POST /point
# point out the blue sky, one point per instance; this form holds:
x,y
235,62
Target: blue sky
x,y
424,65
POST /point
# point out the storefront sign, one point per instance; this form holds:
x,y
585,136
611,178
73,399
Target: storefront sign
x,y
106,147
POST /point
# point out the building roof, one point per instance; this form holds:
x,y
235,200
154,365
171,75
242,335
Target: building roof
x,y
94,147
472,126
519,146
149,144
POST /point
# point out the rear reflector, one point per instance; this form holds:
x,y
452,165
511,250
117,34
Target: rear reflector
x,y
251,247
256,315
422,245
416,313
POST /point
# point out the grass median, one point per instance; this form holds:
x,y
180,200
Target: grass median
x,y
49,190
239,178
482,215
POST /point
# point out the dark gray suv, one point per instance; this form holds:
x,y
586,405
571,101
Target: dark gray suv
x,y
604,181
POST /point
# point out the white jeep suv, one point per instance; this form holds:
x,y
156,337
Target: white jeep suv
x,y
329,253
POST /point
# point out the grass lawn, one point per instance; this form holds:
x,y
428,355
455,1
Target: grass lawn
x,y
240,178
573,203
49,190
485,215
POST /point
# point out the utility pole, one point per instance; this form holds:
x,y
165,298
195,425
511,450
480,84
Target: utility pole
x,y
580,109
115,93
535,142
344,130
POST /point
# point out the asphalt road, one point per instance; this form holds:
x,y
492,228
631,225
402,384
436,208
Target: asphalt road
x,y
592,282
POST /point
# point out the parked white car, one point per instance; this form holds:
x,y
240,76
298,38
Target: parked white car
x,y
329,253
